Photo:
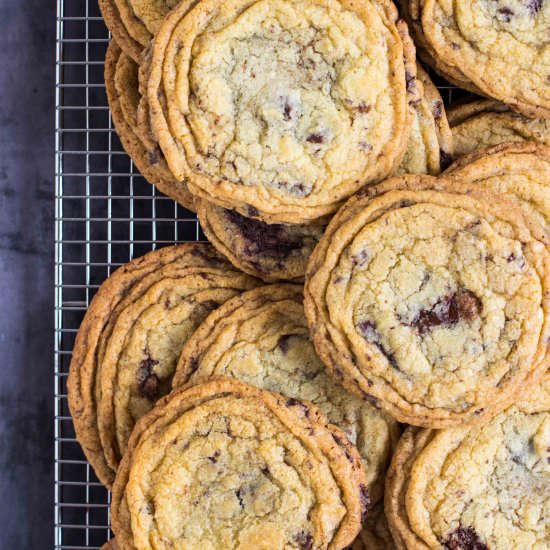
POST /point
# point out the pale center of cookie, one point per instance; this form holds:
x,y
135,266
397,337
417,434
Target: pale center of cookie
x,y
442,299
291,95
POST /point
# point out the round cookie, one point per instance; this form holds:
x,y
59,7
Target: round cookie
x,y
431,297
134,22
430,147
501,48
281,109
486,123
121,84
261,338
110,545
225,465
475,488
126,350
520,172
269,251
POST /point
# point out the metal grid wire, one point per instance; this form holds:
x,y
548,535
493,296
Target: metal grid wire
x,y
105,214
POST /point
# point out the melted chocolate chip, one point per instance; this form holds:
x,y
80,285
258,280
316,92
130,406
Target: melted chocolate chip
x,y
344,447
360,259
287,111
363,108
365,501
284,342
304,540
464,539
296,403
152,157
364,146
368,331
445,160
316,138
463,305
437,109
150,387
263,237
214,457
149,382
507,13
534,6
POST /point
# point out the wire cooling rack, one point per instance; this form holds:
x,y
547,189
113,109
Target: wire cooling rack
x,y
105,214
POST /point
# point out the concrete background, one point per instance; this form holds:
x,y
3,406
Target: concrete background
x,y
27,46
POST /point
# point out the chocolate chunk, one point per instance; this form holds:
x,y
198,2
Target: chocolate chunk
x,y
316,138
349,456
410,80
150,387
296,403
534,6
507,13
437,109
152,157
368,331
214,457
463,305
262,238
304,540
360,259
284,342
287,111
365,501
364,146
445,160
149,382
464,539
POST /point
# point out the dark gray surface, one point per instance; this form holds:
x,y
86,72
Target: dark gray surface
x,y
27,46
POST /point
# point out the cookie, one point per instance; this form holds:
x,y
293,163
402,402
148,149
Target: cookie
x,y
129,341
480,488
261,338
134,22
432,299
375,534
485,123
500,47
430,147
281,109
520,172
269,251
110,545
121,84
225,465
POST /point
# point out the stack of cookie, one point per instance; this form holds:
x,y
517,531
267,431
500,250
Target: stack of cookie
x,y
225,412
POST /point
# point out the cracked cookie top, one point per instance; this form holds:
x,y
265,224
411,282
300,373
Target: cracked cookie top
x,y
261,338
431,298
281,109
125,103
483,488
127,347
225,465
269,251
486,123
501,46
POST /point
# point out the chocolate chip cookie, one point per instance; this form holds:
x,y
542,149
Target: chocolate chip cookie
x,y
121,84
481,488
269,251
261,338
281,109
432,298
225,465
500,47
520,172
430,147
129,341
485,123
134,22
